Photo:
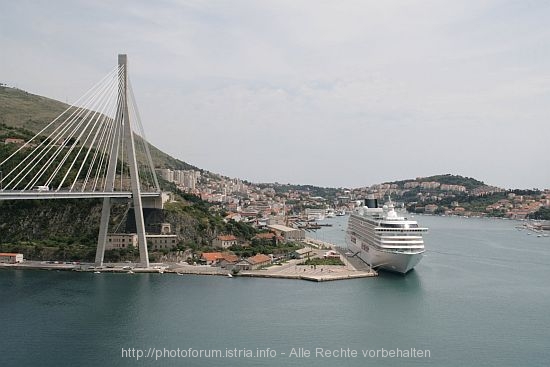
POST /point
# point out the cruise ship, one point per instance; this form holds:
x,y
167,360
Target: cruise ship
x,y
384,239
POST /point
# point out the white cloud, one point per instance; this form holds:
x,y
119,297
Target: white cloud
x,y
331,93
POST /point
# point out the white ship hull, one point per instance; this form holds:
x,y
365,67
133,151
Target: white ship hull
x,y
396,262
385,240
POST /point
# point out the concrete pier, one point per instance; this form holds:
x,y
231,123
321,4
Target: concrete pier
x,y
319,273
291,269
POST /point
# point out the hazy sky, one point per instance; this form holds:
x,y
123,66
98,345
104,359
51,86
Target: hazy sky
x,y
331,93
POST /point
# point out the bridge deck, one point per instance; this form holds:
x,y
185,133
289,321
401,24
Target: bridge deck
x,y
36,195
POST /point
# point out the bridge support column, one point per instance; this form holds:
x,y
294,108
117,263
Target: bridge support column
x,y
122,123
132,164
103,229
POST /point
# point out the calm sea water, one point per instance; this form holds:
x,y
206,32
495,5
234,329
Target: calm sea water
x,y
481,297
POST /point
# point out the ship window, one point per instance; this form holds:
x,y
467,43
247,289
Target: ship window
x,y
398,225
392,225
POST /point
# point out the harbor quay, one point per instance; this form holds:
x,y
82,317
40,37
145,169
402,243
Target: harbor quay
x,y
291,269
318,273
318,243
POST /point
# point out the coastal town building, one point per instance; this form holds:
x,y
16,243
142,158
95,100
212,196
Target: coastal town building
x,y
211,258
303,253
228,260
458,188
11,258
253,263
222,259
162,241
15,141
249,213
270,237
156,241
431,208
287,233
224,241
165,174
411,185
121,240
186,179
429,185
234,217
263,205
276,219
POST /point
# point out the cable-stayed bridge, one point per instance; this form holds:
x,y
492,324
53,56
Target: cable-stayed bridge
x,y
89,151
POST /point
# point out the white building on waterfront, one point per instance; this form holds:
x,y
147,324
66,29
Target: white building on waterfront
x,y
10,258
288,233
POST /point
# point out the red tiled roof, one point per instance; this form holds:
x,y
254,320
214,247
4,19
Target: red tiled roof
x,y
228,237
231,258
258,259
211,256
265,236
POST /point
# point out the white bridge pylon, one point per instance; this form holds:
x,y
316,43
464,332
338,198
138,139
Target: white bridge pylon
x,y
89,151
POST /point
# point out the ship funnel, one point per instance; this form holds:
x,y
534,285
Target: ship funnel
x,y
371,202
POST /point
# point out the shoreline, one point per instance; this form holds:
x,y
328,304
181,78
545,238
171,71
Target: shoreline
x,y
288,270
348,274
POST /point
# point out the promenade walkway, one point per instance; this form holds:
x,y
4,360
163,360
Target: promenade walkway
x,y
319,273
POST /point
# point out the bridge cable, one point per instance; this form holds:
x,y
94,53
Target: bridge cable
x,y
104,107
102,122
67,134
86,121
143,137
38,134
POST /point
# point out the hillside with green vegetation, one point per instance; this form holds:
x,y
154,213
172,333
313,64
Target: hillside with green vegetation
x,y
23,114
325,192
67,229
53,229
459,195
446,179
20,109
541,214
